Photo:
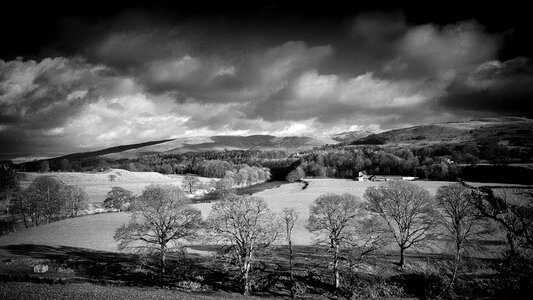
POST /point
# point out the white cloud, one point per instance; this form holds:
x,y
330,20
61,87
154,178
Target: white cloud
x,y
174,70
294,129
363,91
457,47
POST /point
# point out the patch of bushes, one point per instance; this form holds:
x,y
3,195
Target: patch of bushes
x,y
358,286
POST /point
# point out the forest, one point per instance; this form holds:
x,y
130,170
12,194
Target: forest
x,y
485,162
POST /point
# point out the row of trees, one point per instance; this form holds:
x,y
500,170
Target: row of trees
x,y
347,163
46,200
162,217
409,217
396,212
245,176
207,163
433,162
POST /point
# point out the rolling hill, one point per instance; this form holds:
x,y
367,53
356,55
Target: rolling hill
x,y
229,142
510,131
220,142
349,136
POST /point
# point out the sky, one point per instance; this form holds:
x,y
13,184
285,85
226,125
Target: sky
x,y
96,75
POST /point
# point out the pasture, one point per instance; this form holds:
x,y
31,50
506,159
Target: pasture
x,y
97,185
96,231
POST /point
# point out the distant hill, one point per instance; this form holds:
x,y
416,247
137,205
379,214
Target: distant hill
x,y
117,149
511,131
228,142
181,145
92,154
349,136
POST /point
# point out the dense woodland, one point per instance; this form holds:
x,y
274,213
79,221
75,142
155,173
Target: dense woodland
x,y
487,161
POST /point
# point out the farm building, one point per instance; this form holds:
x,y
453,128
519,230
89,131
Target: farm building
x,y
391,177
362,176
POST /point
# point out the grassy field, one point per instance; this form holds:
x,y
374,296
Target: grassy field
x,y
97,185
85,248
96,231
292,196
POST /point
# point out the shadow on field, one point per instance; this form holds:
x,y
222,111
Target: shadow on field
x,y
122,268
86,262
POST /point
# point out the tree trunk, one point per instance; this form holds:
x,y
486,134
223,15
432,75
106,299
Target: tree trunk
x,y
402,259
163,259
291,276
455,268
246,278
23,213
336,266
512,246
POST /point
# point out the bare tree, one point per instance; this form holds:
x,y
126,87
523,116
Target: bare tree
x,y
20,207
190,183
118,198
368,236
407,209
460,220
9,185
289,217
76,199
247,226
295,174
513,215
45,199
223,188
334,216
162,217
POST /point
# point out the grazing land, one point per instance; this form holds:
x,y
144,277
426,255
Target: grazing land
x,y
96,231
82,252
98,184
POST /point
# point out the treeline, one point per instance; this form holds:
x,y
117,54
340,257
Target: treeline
x,y
207,163
66,165
438,162
396,213
180,163
348,162
45,200
432,162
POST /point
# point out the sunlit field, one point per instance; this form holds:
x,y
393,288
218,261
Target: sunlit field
x,y
96,231
97,185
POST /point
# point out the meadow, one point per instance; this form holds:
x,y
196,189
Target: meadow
x,y
96,231
82,249
97,185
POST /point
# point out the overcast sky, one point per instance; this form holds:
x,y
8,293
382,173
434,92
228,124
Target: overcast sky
x,y
94,76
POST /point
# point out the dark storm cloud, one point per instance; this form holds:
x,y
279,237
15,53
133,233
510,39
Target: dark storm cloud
x,y
197,59
138,76
494,87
